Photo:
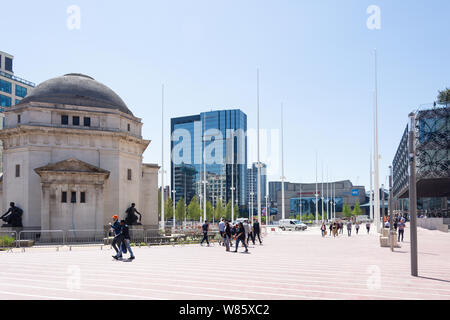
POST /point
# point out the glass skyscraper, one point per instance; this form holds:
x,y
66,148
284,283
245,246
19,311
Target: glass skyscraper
x,y
215,141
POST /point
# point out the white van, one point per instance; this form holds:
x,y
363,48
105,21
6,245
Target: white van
x,y
291,224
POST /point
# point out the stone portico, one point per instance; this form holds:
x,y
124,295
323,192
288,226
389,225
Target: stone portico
x,y
73,137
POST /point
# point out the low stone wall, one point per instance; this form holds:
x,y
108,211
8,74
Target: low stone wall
x,y
432,224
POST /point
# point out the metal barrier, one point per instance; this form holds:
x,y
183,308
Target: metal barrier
x,y
42,238
85,237
8,240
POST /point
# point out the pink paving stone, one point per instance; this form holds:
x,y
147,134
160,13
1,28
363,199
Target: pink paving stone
x,y
289,266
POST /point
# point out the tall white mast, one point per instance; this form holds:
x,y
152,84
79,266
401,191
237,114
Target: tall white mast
x,y
162,224
377,156
258,179
323,216
283,214
317,208
371,187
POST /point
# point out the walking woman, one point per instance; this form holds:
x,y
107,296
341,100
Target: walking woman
x,y
227,235
323,228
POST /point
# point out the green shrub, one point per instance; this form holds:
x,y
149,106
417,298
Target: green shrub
x,y
6,242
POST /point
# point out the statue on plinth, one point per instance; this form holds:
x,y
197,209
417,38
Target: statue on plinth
x,y
131,218
13,217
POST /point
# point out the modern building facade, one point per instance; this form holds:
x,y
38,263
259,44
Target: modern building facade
x,y
432,130
12,90
252,187
300,198
211,147
73,156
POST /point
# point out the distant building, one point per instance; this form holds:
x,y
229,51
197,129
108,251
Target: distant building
x,y
432,163
252,186
300,197
12,90
73,158
210,133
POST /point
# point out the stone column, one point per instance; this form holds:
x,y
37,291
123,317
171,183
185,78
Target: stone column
x,y
45,206
149,196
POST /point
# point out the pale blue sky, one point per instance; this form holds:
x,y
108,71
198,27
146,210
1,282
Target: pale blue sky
x,y
315,56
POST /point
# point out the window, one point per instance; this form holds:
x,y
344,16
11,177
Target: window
x,y
73,198
17,170
87,122
5,86
19,118
65,120
129,127
8,64
83,197
64,197
76,121
17,101
129,174
21,91
5,101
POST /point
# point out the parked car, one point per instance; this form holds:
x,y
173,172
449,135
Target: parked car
x,y
291,224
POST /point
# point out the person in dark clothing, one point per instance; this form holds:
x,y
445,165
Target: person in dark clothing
x,y
240,237
125,235
227,235
256,231
13,217
331,228
205,228
131,218
117,241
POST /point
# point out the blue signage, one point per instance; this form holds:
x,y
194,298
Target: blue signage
x,y
355,192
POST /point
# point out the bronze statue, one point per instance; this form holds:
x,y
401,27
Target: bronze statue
x,y
131,219
13,217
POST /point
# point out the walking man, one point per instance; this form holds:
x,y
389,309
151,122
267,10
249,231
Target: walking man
x,y
368,227
246,230
227,235
357,227
205,228
401,229
125,234
257,231
221,230
349,228
117,241
240,237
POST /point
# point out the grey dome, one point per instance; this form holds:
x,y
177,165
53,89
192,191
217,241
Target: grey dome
x,y
76,89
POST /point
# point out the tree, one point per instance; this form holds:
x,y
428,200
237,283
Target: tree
x,y
193,209
357,209
209,211
228,211
444,96
220,210
168,209
180,210
347,212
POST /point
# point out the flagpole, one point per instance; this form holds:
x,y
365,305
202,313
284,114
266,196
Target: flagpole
x,y
162,224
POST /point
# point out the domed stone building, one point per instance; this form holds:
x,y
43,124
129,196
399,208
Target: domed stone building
x,y
73,157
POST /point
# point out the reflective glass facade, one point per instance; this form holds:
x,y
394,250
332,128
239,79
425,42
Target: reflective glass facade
x,y
21,91
210,133
5,101
5,86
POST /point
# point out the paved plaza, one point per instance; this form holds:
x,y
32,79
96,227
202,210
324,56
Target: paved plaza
x,y
290,265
